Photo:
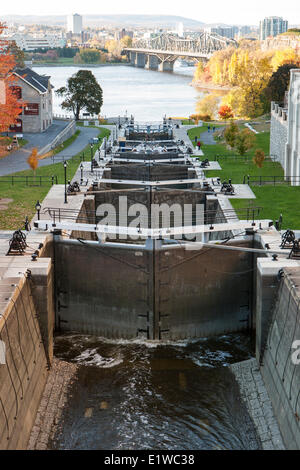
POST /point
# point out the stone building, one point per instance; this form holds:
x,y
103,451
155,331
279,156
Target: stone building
x,y
36,91
285,130
279,132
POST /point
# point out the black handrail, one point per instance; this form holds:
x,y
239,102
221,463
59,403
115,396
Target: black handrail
x,y
14,179
274,179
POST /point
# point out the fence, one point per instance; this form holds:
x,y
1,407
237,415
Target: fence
x,y
246,158
63,158
252,213
29,180
67,132
274,180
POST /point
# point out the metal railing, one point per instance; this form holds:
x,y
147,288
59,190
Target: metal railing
x,y
29,180
62,158
271,180
58,214
246,158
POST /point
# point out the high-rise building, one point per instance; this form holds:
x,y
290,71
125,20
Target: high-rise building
x,y
227,31
74,24
272,26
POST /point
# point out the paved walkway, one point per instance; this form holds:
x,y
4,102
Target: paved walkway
x,y
182,134
207,138
17,161
258,403
53,402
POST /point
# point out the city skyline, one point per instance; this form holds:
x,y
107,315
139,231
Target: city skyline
x,y
229,13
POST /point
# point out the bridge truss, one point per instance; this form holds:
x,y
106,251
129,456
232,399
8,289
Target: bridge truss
x,y
203,46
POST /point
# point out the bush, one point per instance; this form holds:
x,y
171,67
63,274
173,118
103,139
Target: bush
x,y
231,134
259,158
244,141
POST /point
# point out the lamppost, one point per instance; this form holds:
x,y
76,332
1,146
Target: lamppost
x,y
38,209
92,168
81,173
65,169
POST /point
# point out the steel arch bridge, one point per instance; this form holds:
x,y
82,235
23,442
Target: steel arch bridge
x,y
202,47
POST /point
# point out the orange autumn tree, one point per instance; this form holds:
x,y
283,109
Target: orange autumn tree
x,y
225,112
33,159
10,105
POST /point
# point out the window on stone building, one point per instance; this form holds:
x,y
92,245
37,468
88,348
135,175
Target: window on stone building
x,y
31,109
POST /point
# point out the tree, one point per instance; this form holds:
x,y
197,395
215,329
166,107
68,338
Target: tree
x,y
33,160
244,141
10,105
82,92
285,56
126,41
89,56
225,112
114,48
259,158
208,106
18,54
231,134
279,83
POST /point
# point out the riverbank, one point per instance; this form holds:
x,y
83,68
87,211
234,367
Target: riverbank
x,y
210,86
72,64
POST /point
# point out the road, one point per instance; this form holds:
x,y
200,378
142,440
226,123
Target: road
x,y
17,161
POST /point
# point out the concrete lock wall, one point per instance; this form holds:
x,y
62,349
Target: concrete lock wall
x,y
123,202
23,372
151,173
280,373
166,293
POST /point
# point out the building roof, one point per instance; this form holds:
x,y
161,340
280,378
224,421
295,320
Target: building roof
x,y
39,82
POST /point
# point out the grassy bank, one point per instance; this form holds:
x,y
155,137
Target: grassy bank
x,y
25,197
275,200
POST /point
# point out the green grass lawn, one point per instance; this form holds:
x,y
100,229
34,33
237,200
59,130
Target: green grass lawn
x,y
275,200
66,143
187,122
59,61
25,197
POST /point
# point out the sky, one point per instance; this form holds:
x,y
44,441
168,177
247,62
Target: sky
x,y
216,11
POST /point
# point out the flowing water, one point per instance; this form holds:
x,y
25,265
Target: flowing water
x,y
130,395
146,94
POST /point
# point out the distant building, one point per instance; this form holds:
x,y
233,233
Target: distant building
x,y
85,36
36,91
227,31
30,43
121,34
272,26
74,24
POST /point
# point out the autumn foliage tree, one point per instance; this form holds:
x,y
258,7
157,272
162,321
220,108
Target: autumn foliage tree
x,y
244,141
259,158
245,71
33,159
231,134
10,105
225,112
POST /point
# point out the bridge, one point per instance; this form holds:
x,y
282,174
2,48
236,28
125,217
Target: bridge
x,y
160,52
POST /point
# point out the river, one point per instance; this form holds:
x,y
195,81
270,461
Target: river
x,y
146,94
130,395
